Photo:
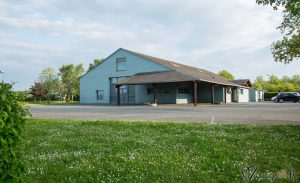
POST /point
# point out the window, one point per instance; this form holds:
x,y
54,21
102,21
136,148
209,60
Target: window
x,y
228,90
184,91
163,90
127,92
242,91
159,91
100,94
121,64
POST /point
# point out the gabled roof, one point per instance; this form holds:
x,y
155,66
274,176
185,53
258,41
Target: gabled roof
x,y
242,82
180,72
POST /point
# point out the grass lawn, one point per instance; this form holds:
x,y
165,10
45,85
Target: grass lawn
x,y
51,102
112,151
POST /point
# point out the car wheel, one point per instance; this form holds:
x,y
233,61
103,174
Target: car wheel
x,y
281,100
299,100
276,100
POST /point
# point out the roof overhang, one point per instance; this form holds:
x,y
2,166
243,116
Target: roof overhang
x,y
164,77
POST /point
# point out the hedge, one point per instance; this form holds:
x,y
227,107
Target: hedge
x,y
12,121
269,95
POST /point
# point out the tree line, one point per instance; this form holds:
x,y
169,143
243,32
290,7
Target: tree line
x,y
63,84
272,84
277,84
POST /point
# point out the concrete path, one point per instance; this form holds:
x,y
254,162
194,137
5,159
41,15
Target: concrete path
x,y
253,113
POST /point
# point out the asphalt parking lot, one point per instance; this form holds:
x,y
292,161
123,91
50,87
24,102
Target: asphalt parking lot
x,y
254,113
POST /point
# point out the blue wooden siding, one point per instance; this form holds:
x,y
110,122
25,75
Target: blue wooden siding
x,y
253,95
204,93
169,98
219,94
98,78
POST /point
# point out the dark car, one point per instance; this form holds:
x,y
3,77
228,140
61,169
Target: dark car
x,y
287,97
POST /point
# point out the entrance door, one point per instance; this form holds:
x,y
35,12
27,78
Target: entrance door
x,y
127,92
124,97
234,93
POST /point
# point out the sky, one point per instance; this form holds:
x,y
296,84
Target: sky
x,y
234,35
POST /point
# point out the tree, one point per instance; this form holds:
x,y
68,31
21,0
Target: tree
x,y
276,84
49,81
79,70
96,62
259,83
287,49
13,116
226,74
274,80
37,91
70,79
65,73
296,80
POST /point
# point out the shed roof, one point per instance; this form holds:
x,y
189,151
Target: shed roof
x,y
242,82
178,72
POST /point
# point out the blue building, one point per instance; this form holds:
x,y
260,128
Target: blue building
x,y
127,77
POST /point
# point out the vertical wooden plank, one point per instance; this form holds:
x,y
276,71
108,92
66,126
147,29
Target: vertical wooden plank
x,y
195,93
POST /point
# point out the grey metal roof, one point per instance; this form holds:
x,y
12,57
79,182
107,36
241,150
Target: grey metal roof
x,y
178,72
156,77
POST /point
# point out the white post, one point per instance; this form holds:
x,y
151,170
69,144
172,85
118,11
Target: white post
x,y
238,94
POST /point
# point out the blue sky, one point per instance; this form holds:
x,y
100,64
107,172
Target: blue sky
x,y
218,34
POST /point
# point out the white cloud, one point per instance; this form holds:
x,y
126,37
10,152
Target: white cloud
x,y
215,35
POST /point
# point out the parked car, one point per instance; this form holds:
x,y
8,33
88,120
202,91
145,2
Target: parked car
x,y
287,97
273,98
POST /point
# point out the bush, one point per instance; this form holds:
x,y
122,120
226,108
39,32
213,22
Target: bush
x,y
269,95
12,120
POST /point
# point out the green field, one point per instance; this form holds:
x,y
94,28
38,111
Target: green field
x,y
50,103
112,151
